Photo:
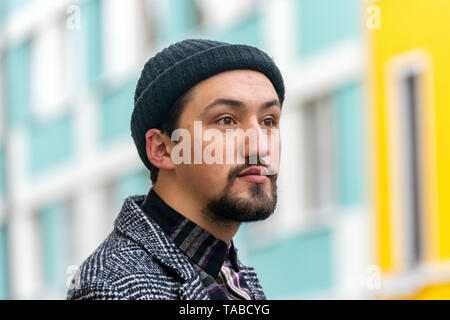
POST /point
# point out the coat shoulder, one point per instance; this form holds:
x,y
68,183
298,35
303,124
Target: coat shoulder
x,y
121,269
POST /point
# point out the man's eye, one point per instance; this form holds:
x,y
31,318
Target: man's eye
x,y
226,121
269,122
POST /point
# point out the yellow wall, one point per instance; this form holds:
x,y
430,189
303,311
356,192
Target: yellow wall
x,y
440,291
412,26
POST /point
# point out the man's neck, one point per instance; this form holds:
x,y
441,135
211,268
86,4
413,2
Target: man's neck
x,y
193,208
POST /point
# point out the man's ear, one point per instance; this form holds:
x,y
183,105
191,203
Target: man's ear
x,y
158,149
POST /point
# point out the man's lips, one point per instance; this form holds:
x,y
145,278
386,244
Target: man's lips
x,y
254,174
259,171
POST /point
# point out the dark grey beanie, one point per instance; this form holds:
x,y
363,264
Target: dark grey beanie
x,y
177,68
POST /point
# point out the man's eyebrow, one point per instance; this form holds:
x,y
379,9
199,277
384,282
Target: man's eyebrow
x,y
271,103
239,104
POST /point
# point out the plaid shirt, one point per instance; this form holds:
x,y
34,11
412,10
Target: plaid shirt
x,y
214,260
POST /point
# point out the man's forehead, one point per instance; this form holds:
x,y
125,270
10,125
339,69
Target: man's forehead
x,y
234,76
246,86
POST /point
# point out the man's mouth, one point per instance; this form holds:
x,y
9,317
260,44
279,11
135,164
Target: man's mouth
x,y
254,174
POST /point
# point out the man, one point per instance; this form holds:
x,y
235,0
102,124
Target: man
x,y
176,242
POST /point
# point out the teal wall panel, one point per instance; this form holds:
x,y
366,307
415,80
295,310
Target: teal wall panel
x,y
14,5
247,31
115,112
4,282
55,245
17,83
295,265
133,183
178,17
349,105
325,22
242,238
3,13
8,7
92,34
51,143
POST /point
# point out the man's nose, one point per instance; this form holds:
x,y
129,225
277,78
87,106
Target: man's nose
x,y
256,144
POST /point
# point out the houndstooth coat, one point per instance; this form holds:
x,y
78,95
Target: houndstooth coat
x,y
138,261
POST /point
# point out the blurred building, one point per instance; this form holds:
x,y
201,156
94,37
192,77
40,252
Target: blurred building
x,y
69,69
411,127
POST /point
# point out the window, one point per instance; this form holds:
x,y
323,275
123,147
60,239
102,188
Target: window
x,y
408,108
125,34
56,56
410,140
334,136
47,74
320,157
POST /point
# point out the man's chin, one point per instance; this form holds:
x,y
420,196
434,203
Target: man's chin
x,y
252,189
244,202
240,208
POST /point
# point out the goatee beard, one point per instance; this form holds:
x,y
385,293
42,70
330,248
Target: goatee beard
x,y
229,208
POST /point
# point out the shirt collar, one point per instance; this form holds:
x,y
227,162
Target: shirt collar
x,y
205,250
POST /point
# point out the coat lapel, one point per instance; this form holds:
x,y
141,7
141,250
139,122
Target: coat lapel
x,y
134,223
193,289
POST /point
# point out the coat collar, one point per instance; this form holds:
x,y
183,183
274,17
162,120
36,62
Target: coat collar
x,y
135,224
201,247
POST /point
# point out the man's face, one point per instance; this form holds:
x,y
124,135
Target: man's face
x,y
238,99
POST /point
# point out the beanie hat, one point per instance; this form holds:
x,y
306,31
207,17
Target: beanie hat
x,y
179,67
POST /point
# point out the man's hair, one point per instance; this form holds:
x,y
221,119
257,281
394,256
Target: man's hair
x,y
170,123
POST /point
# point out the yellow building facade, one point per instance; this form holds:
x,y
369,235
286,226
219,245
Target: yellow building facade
x,y
409,67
